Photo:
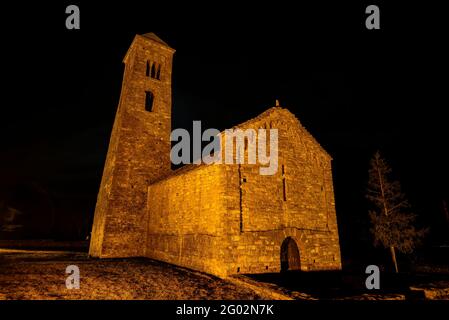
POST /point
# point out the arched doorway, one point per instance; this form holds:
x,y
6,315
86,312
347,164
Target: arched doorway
x,y
290,255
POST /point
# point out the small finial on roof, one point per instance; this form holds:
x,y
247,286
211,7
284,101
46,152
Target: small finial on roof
x,y
277,103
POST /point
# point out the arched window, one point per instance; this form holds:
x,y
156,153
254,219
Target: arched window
x,y
284,184
158,74
153,70
149,97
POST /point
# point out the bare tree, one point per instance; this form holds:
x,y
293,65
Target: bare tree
x,y
391,220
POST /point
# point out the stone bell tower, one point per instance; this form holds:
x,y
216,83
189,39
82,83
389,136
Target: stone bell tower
x,y
139,149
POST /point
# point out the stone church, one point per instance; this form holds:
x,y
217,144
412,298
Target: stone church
x,y
222,219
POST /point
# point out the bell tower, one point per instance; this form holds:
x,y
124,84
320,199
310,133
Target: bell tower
x,y
139,149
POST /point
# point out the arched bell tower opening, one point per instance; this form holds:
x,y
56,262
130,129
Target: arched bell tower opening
x,y
290,259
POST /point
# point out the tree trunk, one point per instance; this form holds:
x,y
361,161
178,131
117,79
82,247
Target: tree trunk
x,y
393,257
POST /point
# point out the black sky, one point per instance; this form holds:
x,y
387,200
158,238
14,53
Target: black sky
x,y
355,90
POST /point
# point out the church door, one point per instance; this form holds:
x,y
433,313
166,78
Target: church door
x,y
289,255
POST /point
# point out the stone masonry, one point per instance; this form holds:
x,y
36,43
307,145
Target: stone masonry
x,y
220,218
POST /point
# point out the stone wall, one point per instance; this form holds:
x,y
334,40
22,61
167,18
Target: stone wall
x,y
307,214
185,224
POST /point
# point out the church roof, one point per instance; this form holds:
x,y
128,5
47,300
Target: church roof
x,y
285,112
266,114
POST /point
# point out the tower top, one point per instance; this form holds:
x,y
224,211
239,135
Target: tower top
x,y
154,37
141,39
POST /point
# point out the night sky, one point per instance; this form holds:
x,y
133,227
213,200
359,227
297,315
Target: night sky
x,y
356,91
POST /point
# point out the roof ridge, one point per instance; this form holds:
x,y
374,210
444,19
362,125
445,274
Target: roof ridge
x,y
191,166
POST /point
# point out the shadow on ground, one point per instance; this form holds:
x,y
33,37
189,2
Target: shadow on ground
x,y
342,285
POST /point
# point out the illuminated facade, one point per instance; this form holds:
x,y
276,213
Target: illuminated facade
x,y
220,218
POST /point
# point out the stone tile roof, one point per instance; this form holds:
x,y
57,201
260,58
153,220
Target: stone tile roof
x,y
190,167
286,112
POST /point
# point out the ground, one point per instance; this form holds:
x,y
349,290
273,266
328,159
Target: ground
x,y
40,274
343,285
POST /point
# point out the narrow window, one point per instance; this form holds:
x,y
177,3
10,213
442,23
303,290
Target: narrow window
x,y
158,74
284,187
153,71
149,97
147,72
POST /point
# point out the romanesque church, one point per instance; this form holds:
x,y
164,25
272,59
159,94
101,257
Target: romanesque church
x,y
221,219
